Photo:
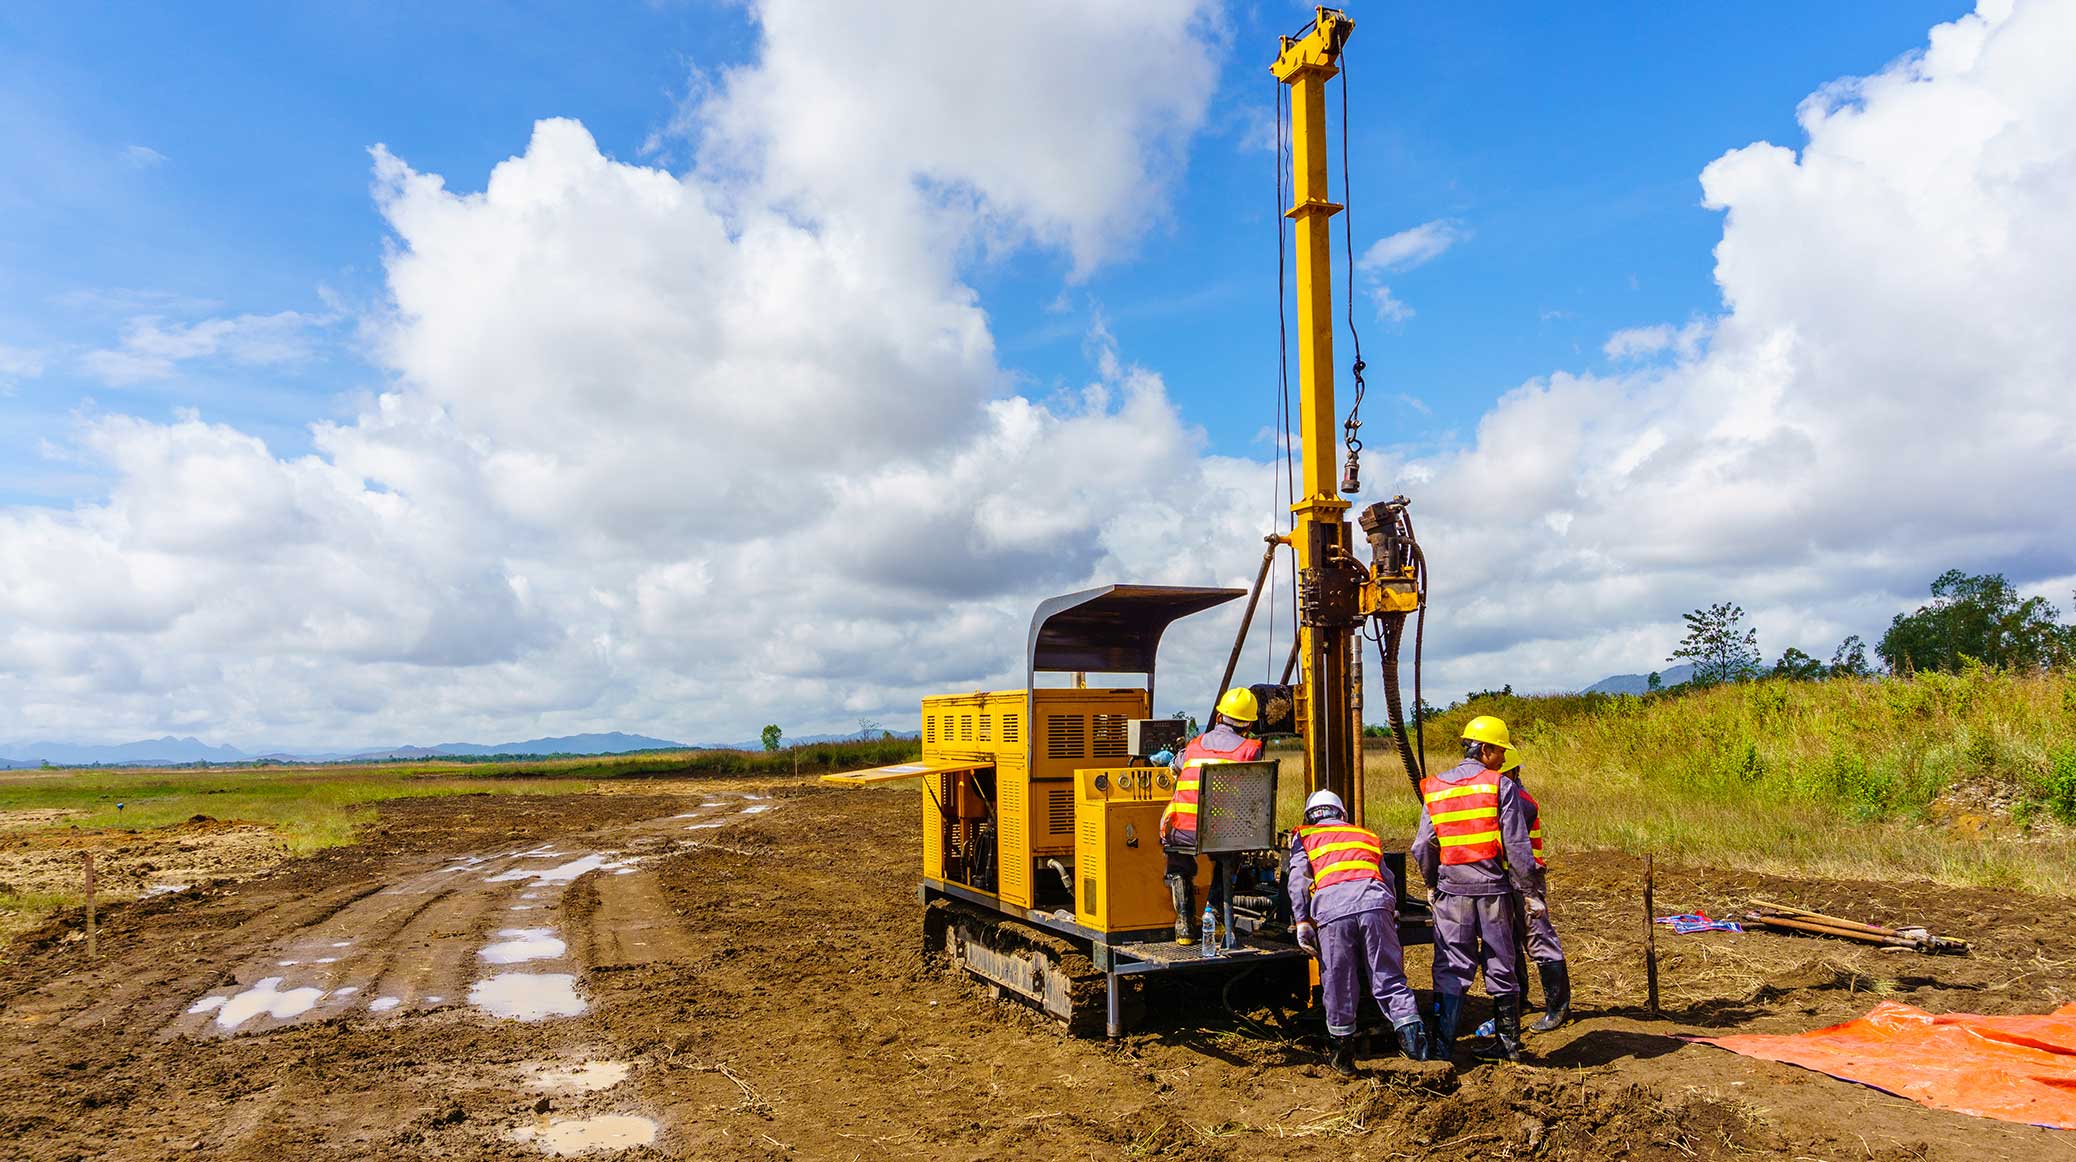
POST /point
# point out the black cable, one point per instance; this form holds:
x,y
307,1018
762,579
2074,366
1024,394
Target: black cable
x,y
1282,363
1419,641
1352,426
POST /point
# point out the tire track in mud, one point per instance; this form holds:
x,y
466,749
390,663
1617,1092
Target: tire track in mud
x,y
510,937
158,988
423,941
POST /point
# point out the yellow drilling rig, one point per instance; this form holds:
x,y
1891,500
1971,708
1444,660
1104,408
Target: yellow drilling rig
x,y
1041,857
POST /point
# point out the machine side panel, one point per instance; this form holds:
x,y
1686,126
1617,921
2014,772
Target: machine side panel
x,y
1013,834
935,791
1118,861
1075,728
1052,817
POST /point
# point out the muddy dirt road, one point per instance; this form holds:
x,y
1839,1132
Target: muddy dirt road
x,y
729,970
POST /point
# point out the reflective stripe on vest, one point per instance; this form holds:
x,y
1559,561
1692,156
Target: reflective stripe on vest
x,y
1535,825
1182,808
1465,818
1341,853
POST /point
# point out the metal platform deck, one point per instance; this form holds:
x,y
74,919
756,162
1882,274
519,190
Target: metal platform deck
x,y
1138,958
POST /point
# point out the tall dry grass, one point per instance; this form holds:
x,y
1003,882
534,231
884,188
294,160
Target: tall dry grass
x,y
1965,778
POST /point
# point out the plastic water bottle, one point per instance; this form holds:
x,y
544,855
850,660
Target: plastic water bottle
x,y
1209,943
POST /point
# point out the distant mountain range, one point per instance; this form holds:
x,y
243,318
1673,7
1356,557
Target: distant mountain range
x,y
171,751
151,751
1639,683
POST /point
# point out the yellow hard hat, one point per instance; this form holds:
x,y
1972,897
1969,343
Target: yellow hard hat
x,y
1485,728
1239,705
1512,763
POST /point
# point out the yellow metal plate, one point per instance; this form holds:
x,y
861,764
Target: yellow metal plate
x,y
895,772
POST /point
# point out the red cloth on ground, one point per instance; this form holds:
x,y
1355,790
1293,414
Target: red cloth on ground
x,y
2018,1069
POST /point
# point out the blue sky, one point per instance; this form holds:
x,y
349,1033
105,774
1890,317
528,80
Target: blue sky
x,y
1566,144
378,372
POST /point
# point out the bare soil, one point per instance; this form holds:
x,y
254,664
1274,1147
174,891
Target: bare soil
x,y
755,965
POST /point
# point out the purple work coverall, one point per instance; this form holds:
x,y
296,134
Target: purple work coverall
x,y
1358,934
1475,903
1542,934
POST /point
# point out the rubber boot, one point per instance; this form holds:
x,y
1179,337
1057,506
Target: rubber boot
x,y
1412,1040
1506,1028
1448,1009
1181,893
1556,995
1342,1059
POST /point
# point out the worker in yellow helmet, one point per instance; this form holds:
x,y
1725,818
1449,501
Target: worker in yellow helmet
x,y
1543,947
1226,742
1473,850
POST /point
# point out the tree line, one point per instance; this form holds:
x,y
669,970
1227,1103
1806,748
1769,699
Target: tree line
x,y
1978,619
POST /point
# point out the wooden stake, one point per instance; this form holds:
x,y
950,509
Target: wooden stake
x,y
1650,942
88,856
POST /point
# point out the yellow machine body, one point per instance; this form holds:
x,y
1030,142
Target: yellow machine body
x,y
1118,861
1047,767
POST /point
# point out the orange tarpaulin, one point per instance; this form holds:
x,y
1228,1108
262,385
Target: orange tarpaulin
x,y
2019,1069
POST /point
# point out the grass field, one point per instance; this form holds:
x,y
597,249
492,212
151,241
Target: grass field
x,y
317,807
1966,778
311,808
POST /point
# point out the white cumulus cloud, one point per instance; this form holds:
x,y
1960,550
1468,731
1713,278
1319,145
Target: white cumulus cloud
x,y
1885,395
689,452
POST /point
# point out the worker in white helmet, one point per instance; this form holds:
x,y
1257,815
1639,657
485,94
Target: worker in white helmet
x,y
1347,916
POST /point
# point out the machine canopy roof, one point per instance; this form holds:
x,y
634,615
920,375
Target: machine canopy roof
x,y
1112,629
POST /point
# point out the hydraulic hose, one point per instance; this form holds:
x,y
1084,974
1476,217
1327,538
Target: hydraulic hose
x,y
1393,626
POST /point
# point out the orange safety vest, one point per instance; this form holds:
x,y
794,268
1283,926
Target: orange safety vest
x,y
1341,853
1465,817
1535,825
1181,816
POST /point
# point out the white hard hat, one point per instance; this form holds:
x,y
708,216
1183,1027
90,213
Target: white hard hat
x,y
1327,799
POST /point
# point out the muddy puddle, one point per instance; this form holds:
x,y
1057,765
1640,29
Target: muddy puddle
x,y
586,1077
564,1138
517,945
528,996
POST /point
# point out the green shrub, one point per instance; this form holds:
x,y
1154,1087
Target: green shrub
x,y
2058,792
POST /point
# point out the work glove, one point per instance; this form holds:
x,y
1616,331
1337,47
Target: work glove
x,y
1161,758
1535,905
1308,938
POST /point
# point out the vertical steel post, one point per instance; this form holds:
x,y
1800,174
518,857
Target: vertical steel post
x,y
1650,942
1321,528
1356,785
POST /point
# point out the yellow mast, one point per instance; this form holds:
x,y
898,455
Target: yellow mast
x,y
1329,578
